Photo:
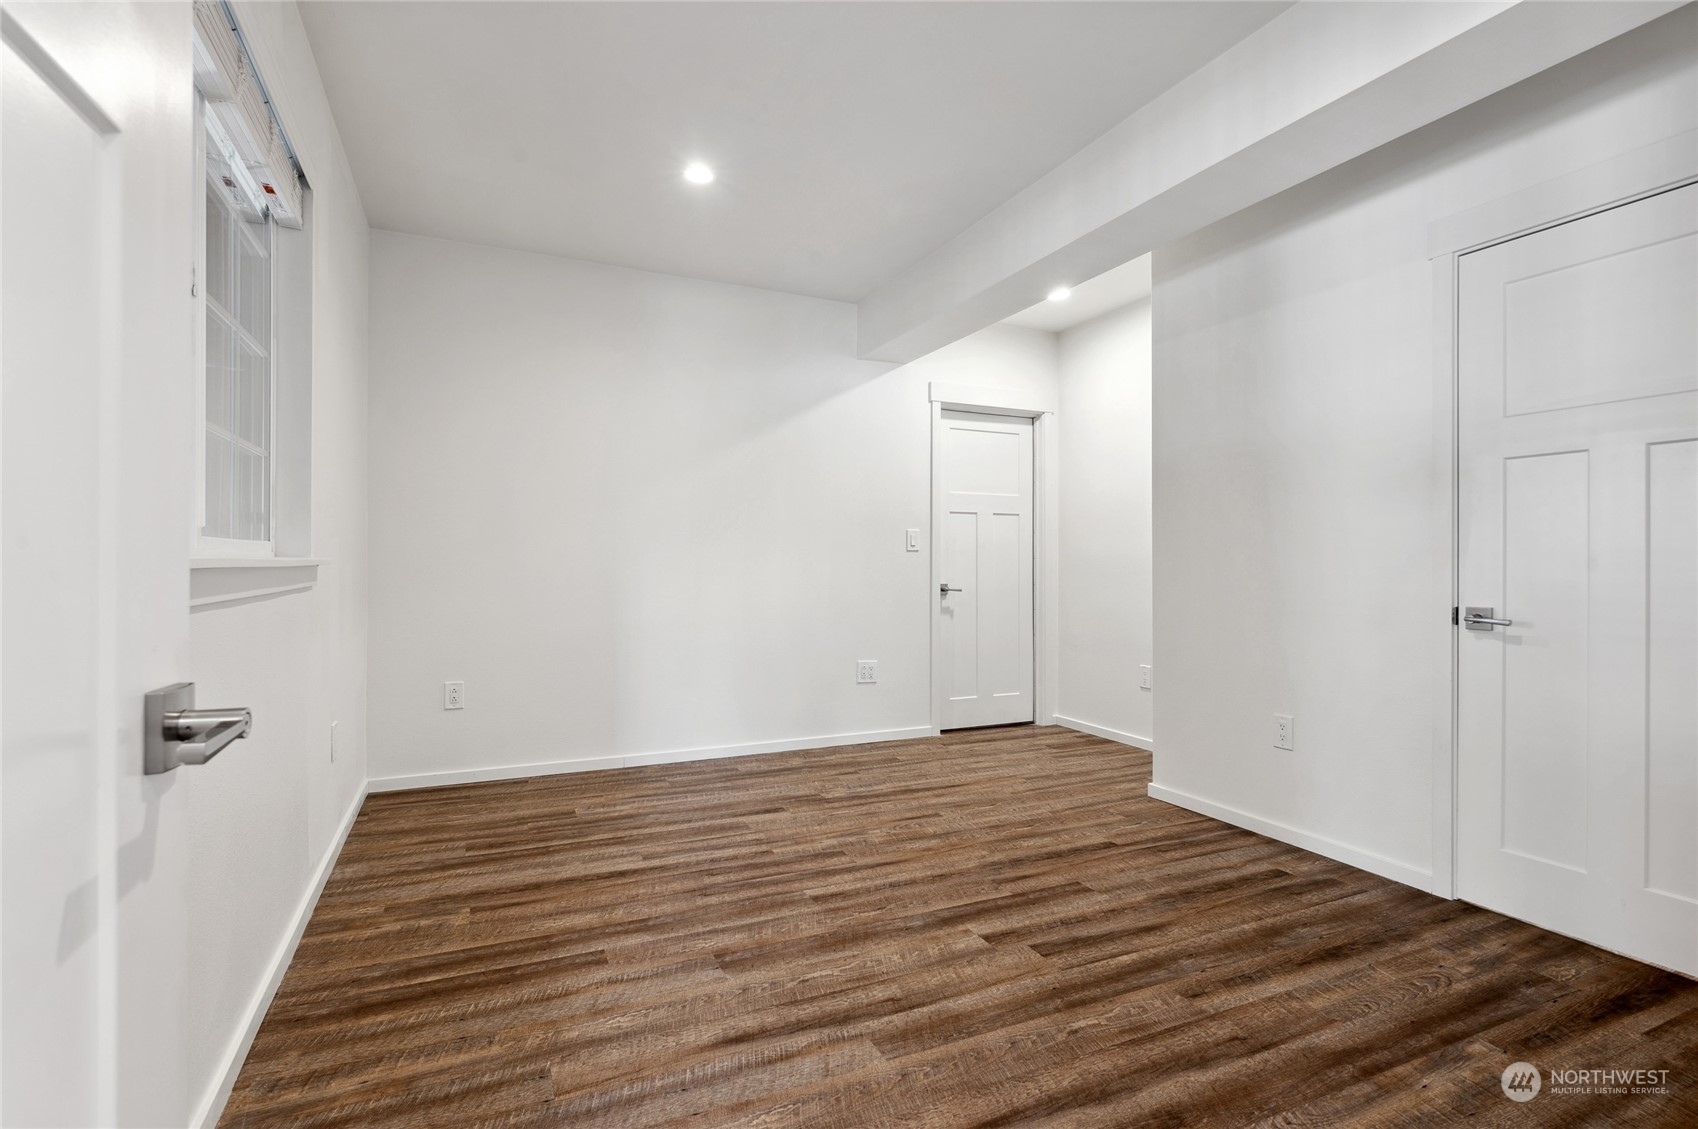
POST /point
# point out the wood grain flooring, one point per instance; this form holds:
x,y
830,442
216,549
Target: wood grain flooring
x,y
993,928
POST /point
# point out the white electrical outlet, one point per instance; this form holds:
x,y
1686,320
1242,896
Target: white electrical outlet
x,y
453,695
913,540
1284,731
1145,678
333,742
866,670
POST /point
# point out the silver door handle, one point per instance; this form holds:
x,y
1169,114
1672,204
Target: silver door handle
x,y
1480,619
201,734
177,734
944,589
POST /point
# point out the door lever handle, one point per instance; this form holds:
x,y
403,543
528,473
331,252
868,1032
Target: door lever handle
x,y
944,589
201,734
1480,619
175,733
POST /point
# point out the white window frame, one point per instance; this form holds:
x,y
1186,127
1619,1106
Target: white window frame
x,y
204,547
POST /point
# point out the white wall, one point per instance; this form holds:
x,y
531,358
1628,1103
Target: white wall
x,y
1105,589
640,515
265,815
1295,485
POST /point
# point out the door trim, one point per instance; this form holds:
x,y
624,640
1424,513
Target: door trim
x,y
1635,175
1046,644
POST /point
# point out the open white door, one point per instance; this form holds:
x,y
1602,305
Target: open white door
x,y
96,430
984,469
1577,723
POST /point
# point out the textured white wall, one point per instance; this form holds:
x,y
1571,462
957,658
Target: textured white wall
x,y
1294,457
1105,523
641,515
264,817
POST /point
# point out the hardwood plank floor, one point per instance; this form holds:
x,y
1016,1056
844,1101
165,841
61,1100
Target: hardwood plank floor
x,y
993,928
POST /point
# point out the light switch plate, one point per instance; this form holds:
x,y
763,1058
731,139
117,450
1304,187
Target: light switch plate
x,y
913,540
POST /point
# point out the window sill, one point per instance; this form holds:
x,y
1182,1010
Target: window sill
x,y
225,581
198,564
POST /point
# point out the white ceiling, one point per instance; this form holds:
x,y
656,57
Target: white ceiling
x,y
1110,290
850,138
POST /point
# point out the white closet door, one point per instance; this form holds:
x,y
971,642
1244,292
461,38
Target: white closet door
x,y
1578,720
985,464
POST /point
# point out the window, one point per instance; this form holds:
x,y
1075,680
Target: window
x,y
237,385
253,332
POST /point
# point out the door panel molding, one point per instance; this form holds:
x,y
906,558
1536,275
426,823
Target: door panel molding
x,y
47,68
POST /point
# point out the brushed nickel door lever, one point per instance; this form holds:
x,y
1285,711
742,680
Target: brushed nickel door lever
x,y
175,733
1480,619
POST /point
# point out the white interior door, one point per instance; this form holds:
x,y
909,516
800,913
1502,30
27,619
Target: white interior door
x,y
984,468
1577,802
94,509
51,638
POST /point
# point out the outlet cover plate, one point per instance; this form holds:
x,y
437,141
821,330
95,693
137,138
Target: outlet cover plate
x,y
1285,731
453,695
866,671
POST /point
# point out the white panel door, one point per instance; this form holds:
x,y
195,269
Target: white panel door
x,y
94,521
985,477
1577,801
50,605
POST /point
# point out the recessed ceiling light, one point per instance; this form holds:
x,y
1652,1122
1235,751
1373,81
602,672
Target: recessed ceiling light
x,y
697,173
1060,294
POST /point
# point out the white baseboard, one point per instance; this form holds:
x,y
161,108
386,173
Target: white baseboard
x,y
213,1106
1106,733
671,756
1318,844
499,772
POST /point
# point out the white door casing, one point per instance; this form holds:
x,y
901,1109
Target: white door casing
x,y
1577,726
985,480
95,498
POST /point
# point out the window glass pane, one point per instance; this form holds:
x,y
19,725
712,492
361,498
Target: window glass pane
x,y
253,383
253,279
217,249
219,345
238,368
258,473
219,509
